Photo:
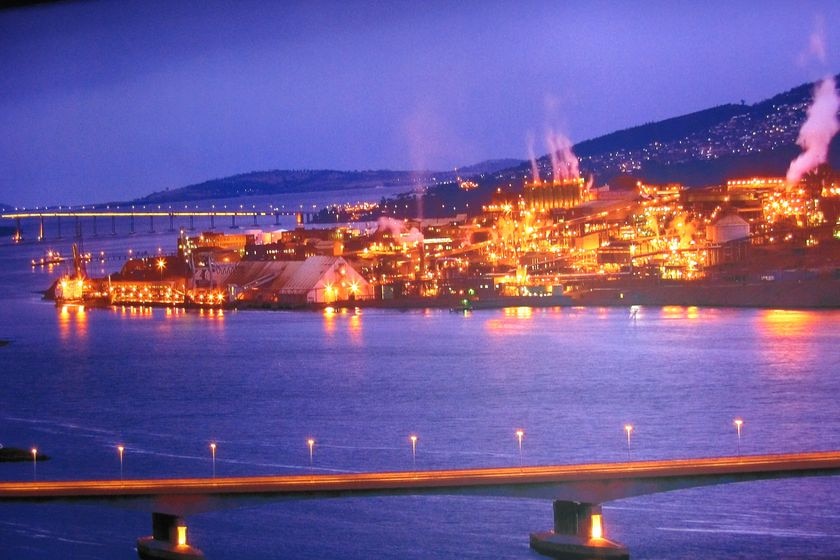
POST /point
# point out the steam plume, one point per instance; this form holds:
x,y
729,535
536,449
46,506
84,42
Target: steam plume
x,y
535,170
816,133
397,230
564,163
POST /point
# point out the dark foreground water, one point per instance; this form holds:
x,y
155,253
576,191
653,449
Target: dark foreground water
x,y
166,383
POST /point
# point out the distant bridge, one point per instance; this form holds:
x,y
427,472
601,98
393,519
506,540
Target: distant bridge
x,y
578,491
109,215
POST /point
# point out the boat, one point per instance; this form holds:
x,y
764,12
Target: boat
x,y
49,258
52,258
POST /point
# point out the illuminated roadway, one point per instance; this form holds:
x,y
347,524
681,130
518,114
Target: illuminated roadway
x,y
592,483
146,213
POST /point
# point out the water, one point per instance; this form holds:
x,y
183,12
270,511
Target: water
x,y
165,384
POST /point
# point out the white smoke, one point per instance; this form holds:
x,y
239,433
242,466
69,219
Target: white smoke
x,y
816,133
564,163
817,47
535,169
397,230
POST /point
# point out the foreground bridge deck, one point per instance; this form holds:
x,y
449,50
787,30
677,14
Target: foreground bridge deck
x,y
577,490
589,482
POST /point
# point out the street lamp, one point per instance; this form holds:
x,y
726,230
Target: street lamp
x,y
519,434
34,463
161,264
413,439
213,455
628,428
121,450
311,443
738,423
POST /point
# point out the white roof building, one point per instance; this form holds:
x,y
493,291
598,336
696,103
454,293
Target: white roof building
x,y
318,279
730,227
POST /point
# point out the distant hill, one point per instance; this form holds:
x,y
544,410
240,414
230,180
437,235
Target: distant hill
x,y
708,146
488,166
701,148
309,180
285,181
698,149
661,131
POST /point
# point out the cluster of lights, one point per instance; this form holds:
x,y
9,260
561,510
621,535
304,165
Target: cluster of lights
x,y
209,298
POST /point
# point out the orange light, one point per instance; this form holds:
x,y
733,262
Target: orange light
x,y
597,531
182,535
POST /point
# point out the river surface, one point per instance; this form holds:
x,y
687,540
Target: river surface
x,y
259,383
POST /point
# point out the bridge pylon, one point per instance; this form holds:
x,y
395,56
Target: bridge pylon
x,y
168,540
578,534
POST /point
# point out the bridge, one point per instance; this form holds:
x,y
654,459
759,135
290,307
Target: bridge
x,y
577,490
112,215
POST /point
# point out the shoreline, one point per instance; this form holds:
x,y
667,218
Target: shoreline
x,y
804,294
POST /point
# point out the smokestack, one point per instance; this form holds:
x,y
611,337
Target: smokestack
x,y
819,128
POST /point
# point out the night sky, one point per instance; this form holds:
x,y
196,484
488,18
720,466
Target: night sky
x,y
113,100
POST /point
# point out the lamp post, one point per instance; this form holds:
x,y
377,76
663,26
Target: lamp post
x,y
34,463
213,456
311,443
121,450
519,434
738,423
161,264
413,439
628,428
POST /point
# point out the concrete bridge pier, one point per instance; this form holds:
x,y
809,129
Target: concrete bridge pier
x,y
168,540
578,534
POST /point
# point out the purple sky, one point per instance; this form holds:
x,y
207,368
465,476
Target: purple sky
x,y
113,100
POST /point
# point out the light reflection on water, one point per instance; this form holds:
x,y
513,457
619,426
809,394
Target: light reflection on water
x,y
166,382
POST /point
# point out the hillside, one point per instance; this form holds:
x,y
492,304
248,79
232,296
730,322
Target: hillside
x,y
701,148
285,181
309,180
708,146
